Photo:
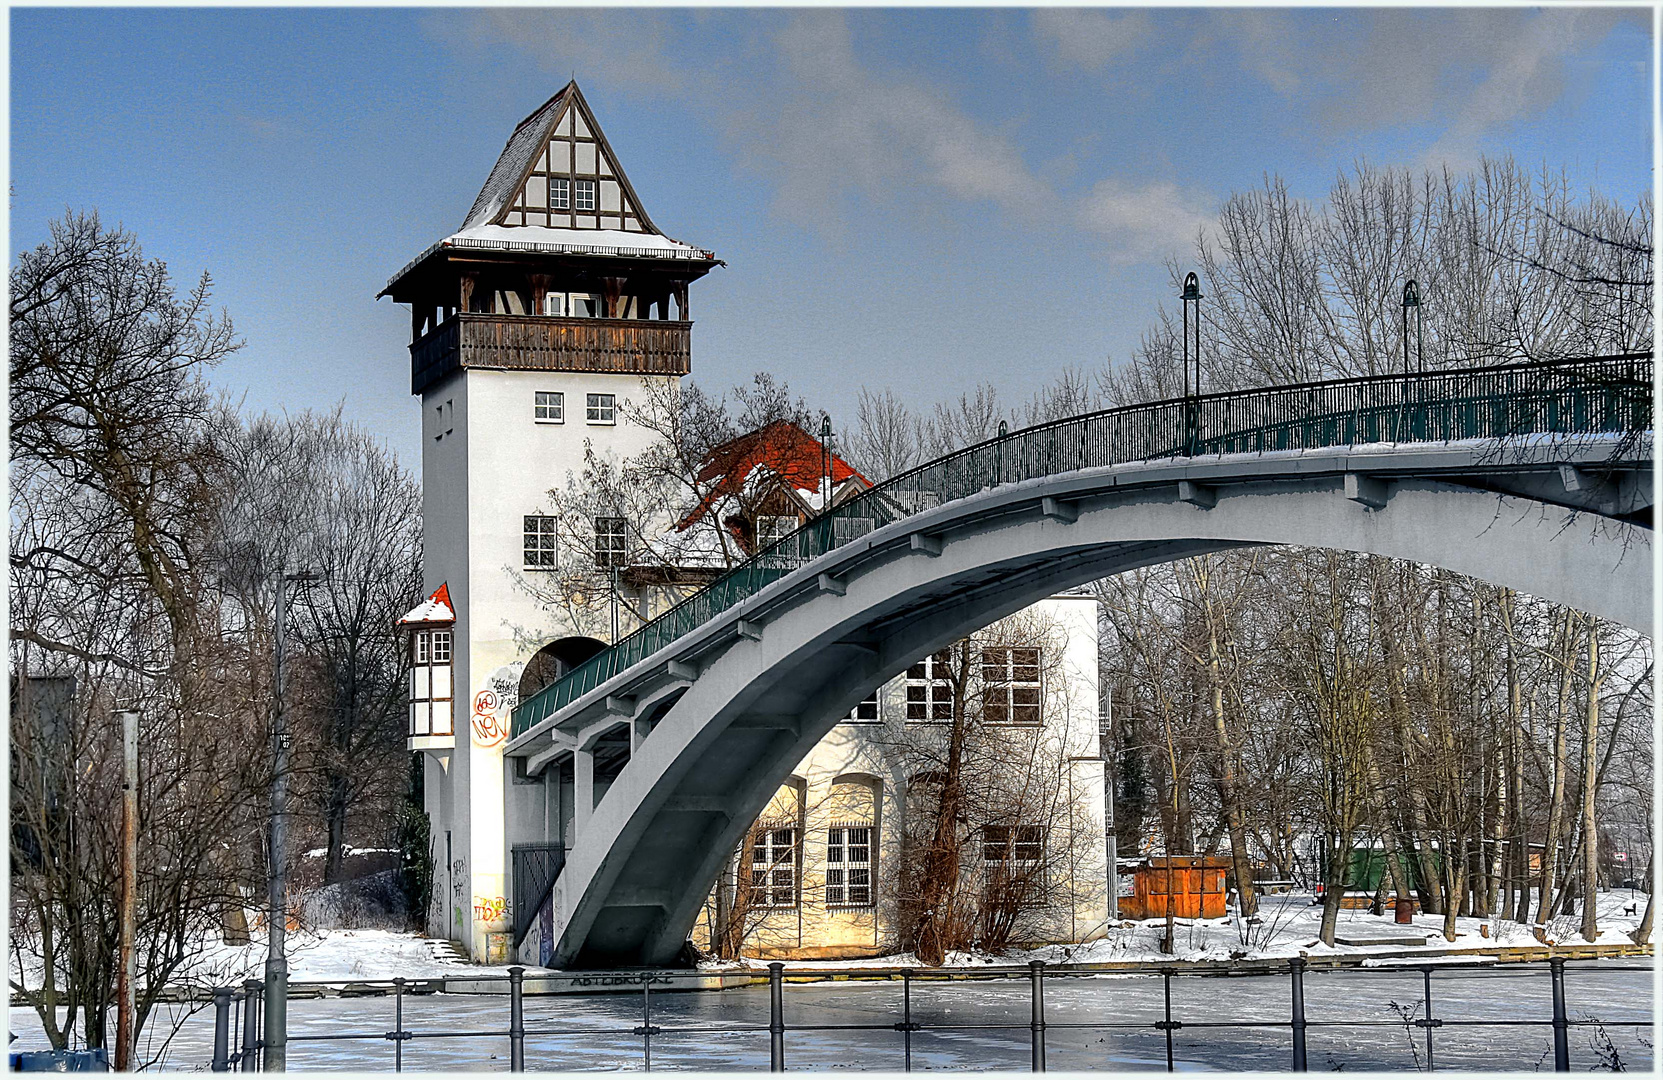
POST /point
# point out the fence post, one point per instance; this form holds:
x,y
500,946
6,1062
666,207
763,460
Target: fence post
x,y
776,1017
516,1020
251,1009
1426,1017
1561,1027
1296,968
222,1029
1166,1025
398,1025
1036,1023
906,1014
646,1022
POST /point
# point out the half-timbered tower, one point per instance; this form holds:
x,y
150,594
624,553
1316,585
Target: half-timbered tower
x,y
530,328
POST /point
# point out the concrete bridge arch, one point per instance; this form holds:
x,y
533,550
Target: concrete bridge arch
x,y
718,719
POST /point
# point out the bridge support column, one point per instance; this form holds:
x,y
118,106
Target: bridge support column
x,y
583,792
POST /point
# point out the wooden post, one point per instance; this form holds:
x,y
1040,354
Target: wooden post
x,y
467,292
611,289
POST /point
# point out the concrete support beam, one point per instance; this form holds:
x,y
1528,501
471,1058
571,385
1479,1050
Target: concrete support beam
x,y
1058,510
765,722
620,706
697,804
1370,491
829,584
750,631
929,545
658,898
639,729
583,792
682,669
535,763
1575,479
1197,494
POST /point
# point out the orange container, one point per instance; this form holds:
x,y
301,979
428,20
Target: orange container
x,y
1195,884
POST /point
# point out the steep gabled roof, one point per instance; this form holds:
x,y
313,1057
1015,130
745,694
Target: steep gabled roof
x,y
552,140
434,611
781,453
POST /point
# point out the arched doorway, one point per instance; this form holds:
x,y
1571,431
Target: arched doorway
x,y
554,660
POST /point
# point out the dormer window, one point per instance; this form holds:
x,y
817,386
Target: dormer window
x,y
771,528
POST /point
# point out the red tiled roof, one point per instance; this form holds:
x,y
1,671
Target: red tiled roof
x,y
784,449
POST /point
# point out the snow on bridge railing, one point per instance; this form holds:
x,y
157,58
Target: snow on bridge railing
x,y
1607,394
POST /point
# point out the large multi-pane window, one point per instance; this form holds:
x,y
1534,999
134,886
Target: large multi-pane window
x,y
560,193
849,866
774,867
584,190
611,542
548,407
930,688
539,542
1010,685
1012,853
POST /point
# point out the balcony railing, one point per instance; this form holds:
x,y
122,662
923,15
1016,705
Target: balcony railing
x,y
550,343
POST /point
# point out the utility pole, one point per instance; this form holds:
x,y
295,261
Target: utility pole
x,y
277,964
127,973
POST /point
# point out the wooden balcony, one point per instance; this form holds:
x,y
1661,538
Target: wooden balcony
x,y
548,343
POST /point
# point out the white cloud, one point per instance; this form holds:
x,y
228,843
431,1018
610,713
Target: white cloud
x,y
1153,221
1092,39
834,127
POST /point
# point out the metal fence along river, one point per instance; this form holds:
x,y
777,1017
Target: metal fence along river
x,y
1008,1011
1595,396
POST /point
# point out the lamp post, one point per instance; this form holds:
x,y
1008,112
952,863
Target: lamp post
x,y
277,964
1192,404
1411,299
825,460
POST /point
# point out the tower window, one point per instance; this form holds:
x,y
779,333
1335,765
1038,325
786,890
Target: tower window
x,y
560,193
602,409
441,646
611,542
585,195
539,542
549,407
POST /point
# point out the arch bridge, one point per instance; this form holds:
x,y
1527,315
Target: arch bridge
x,y
1536,477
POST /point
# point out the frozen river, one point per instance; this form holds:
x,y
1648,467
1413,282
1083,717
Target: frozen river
x,y
1098,1022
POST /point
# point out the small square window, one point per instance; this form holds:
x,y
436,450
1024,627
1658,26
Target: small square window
x,y
539,542
602,409
554,303
441,646
549,407
560,193
585,195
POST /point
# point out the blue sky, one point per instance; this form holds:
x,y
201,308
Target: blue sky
x,y
920,199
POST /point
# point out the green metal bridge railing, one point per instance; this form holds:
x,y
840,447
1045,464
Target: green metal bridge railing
x,y
1599,395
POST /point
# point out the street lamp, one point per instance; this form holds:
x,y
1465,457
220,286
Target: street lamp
x,y
825,459
277,964
1191,294
1411,299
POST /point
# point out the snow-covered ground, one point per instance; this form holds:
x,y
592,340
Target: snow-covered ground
x,y
1288,926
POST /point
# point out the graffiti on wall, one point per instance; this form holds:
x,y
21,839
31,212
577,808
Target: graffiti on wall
x,y
490,908
492,706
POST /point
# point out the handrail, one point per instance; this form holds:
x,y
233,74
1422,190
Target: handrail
x,y
1592,395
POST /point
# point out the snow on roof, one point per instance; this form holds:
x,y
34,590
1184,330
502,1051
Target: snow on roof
x,y
524,145
579,241
781,452
433,611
